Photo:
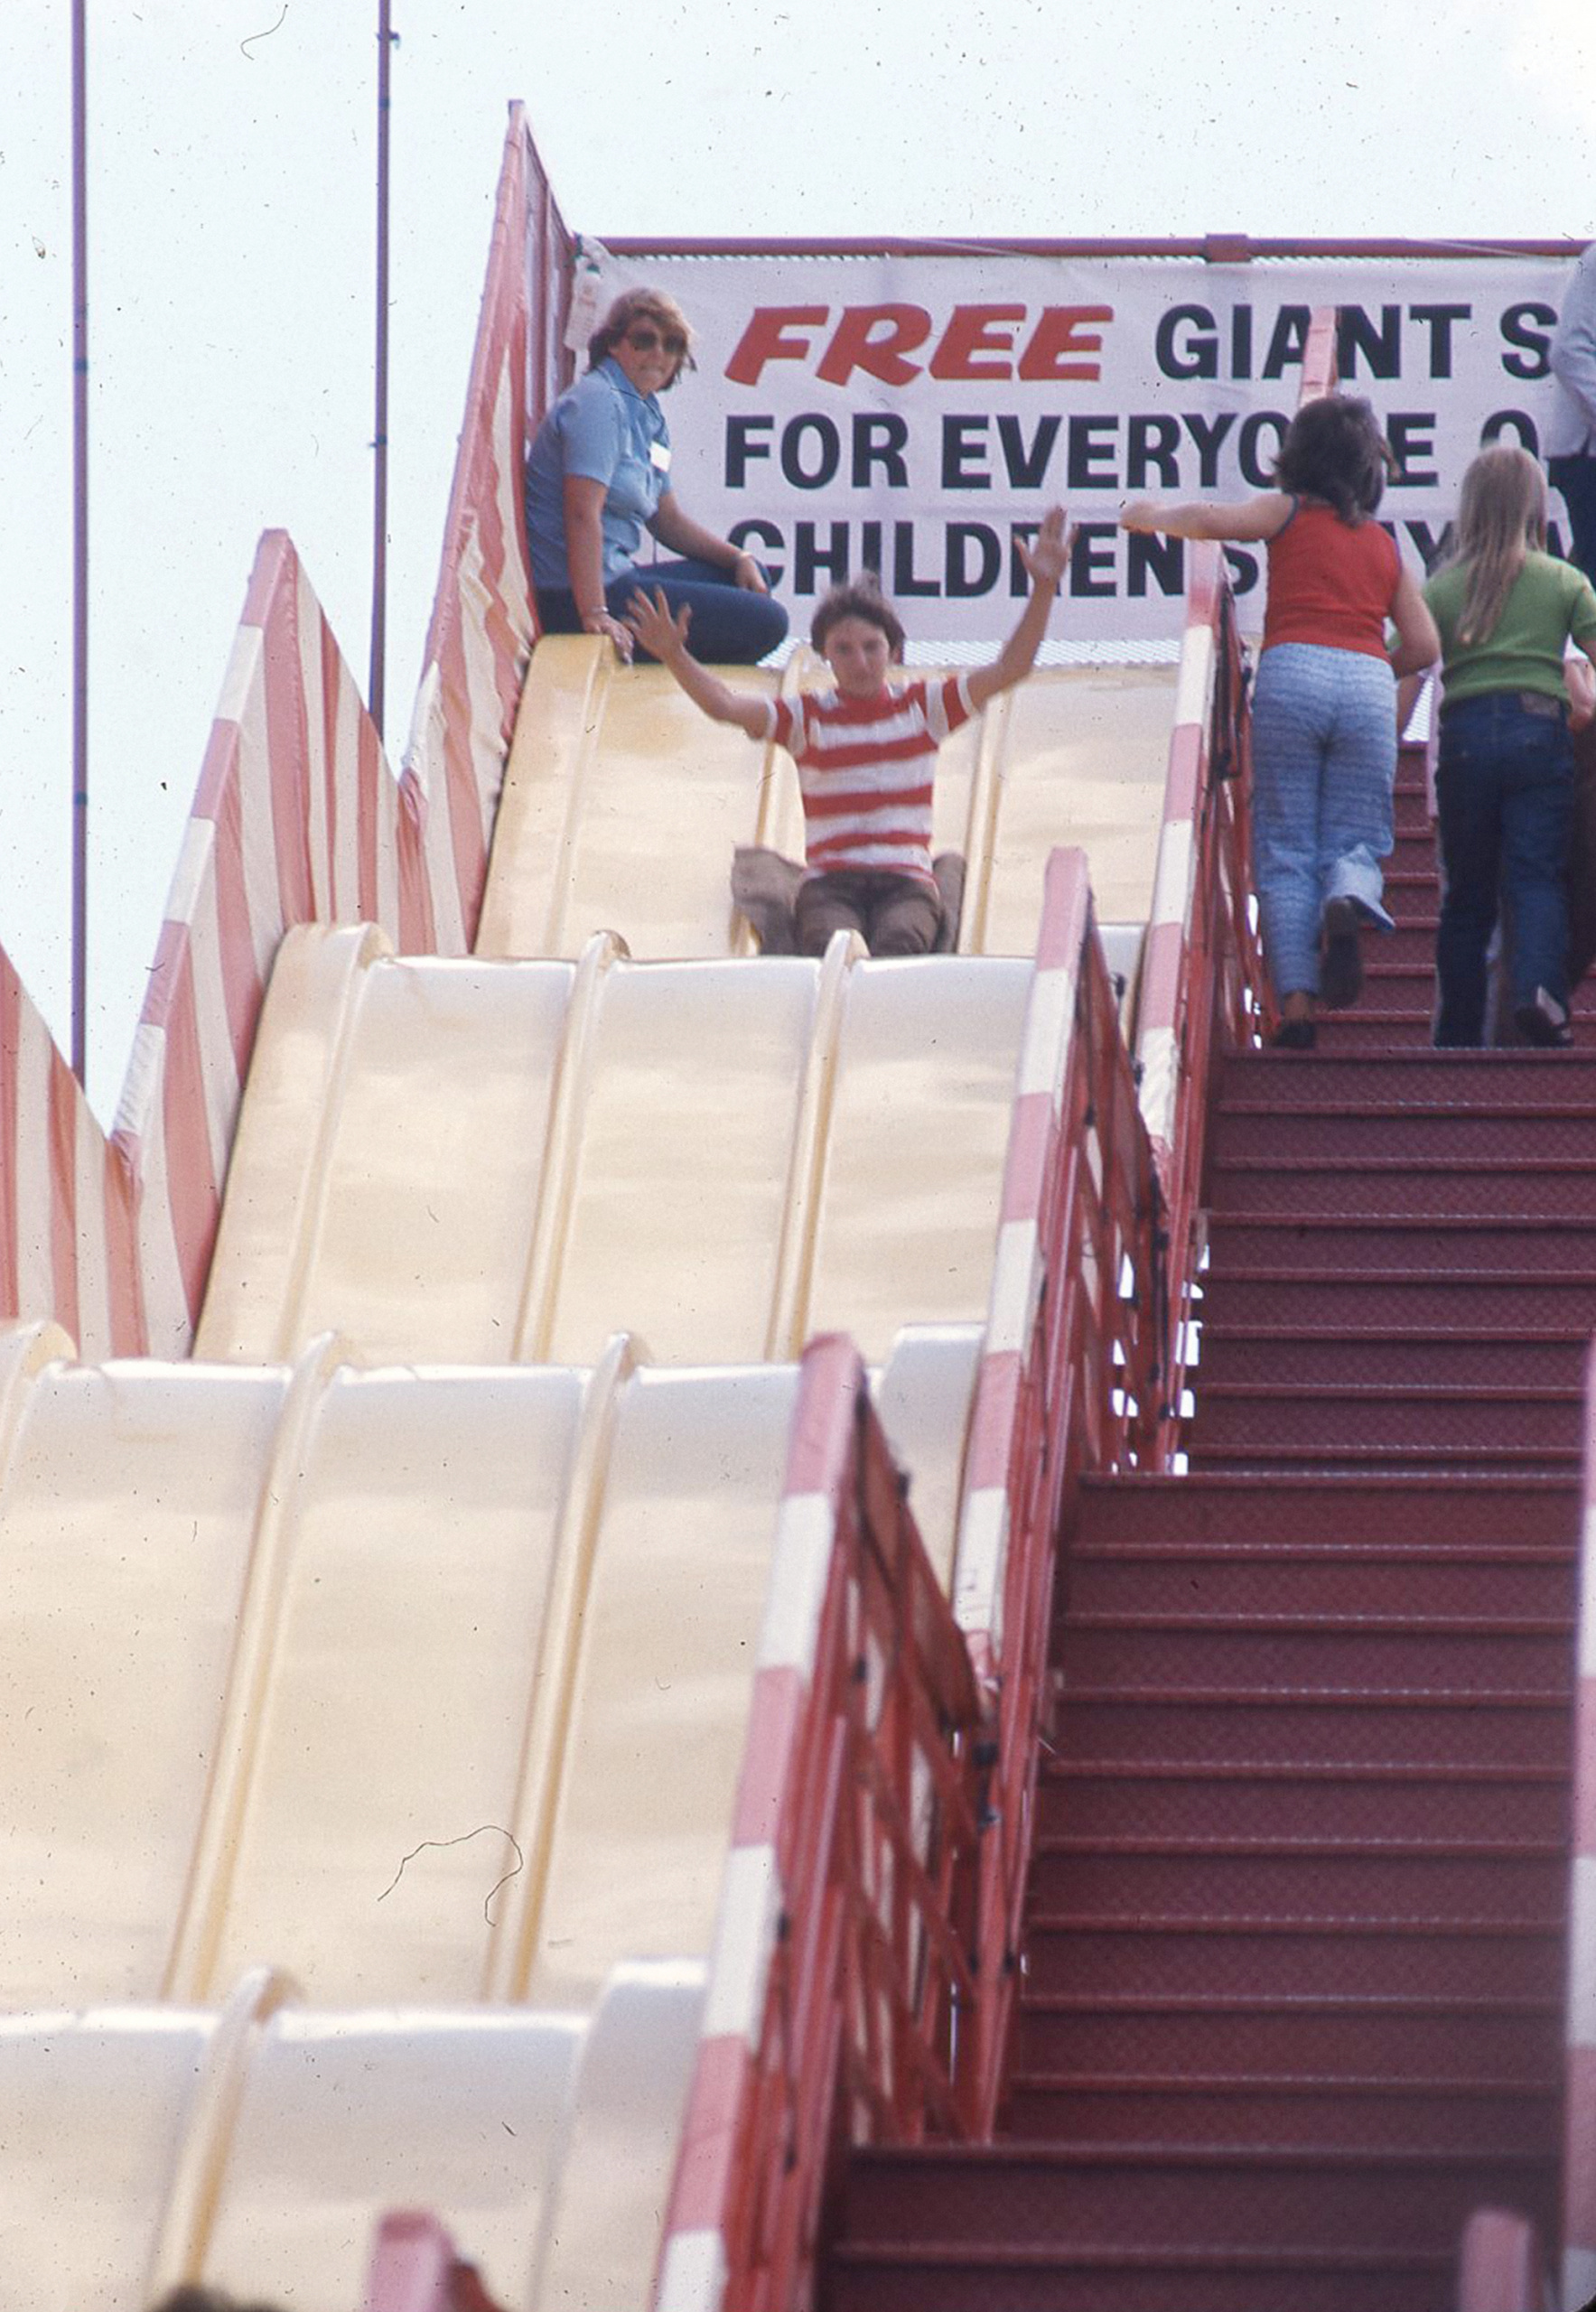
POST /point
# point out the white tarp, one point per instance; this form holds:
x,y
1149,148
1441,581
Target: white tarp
x,y
915,414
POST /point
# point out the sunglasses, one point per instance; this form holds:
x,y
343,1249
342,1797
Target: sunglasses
x,y
645,340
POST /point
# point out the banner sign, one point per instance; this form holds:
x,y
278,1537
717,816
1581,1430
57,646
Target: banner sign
x,y
917,414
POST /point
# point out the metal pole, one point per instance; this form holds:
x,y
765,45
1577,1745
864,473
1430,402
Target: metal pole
x,y
79,547
385,39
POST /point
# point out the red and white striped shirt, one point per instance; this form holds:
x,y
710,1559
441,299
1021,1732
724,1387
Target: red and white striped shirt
x,y
866,767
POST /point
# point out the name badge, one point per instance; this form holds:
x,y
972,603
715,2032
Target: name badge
x,y
659,455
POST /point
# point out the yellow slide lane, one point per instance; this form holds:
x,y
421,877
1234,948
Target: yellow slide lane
x,y
623,804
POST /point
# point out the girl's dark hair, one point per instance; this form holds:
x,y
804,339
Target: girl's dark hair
x,y
642,305
1334,449
862,598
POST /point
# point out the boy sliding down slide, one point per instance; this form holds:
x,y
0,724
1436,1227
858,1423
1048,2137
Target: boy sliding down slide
x,y
867,752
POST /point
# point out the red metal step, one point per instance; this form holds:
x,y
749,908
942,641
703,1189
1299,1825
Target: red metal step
x,y
1411,1188
1279,1127
1452,1245
1446,1725
1384,1355
1076,1966
1537,1427
1301,1300
1149,2228
1347,2112
1093,1799
1519,1082
1124,1511
1229,1577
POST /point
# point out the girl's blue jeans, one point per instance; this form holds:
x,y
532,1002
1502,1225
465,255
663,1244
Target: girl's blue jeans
x,y
1324,762
1504,790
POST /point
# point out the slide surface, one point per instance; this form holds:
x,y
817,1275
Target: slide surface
x,y
401,1644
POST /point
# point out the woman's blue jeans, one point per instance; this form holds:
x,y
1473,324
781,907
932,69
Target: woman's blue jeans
x,y
1324,762
731,625
1504,790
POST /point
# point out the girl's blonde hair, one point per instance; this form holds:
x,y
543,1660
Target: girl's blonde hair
x,y
1501,518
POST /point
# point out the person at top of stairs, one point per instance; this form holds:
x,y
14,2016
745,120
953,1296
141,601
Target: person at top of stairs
x,y
1504,786
1324,710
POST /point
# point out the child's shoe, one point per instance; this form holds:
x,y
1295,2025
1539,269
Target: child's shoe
x,y
1544,1020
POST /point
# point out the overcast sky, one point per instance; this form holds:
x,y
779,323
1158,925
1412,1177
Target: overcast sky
x,y
231,150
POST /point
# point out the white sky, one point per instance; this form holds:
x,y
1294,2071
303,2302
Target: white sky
x,y
231,150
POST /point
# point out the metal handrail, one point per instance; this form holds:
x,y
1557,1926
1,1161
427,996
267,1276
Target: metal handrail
x,y
846,1981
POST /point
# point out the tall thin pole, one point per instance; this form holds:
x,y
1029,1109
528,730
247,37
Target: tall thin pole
x,y
79,547
384,40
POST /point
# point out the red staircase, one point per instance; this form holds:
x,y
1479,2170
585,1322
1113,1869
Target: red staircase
x,y
1292,2002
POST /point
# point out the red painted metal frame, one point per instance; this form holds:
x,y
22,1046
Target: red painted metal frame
x,y
1203,984
1086,1399
1205,989
868,1795
1578,2110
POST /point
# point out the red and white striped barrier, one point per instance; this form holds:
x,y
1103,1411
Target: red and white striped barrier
x,y
1579,2147
1007,1378
67,1198
836,1773
1167,957
483,621
1068,1380
297,819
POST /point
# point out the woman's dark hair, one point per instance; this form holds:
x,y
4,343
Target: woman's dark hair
x,y
857,597
1334,449
642,305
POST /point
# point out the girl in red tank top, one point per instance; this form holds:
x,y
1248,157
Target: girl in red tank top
x,y
1324,720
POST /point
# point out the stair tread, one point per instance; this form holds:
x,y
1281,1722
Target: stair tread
x,y
1294,1553
1090,1922
1219,2083
1299,2004
1098,1769
1000,2254
1356,1624
1207,1846
1010,2154
1428,1336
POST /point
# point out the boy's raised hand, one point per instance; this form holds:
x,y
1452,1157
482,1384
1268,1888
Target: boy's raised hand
x,y
1047,557
649,618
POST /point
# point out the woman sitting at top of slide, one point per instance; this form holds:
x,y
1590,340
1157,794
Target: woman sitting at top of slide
x,y
599,476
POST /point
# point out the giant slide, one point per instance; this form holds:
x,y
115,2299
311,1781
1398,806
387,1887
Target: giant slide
x,y
376,1679
377,1664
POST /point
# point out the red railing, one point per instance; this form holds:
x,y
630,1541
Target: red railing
x,y
840,1970
1069,1383
1579,2071
1203,988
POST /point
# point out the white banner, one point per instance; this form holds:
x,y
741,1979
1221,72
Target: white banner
x,y
917,414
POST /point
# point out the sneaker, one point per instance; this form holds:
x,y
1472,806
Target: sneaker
x,y
1545,1021
1340,954
1295,1035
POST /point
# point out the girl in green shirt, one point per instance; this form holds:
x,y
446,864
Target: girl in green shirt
x,y
1503,788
